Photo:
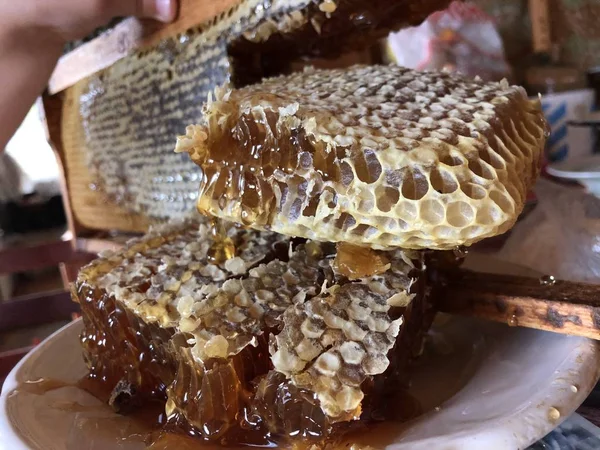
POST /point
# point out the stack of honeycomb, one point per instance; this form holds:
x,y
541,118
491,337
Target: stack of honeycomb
x,y
302,315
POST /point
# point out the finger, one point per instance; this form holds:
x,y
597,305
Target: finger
x,y
163,10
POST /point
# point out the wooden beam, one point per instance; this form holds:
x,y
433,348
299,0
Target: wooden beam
x,y
22,259
544,304
128,36
97,245
36,309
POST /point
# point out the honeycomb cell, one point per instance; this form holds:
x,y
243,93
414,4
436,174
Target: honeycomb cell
x,y
470,231
505,204
345,222
499,147
366,202
432,211
488,214
414,185
330,196
387,197
386,238
347,175
365,230
310,209
368,168
386,223
514,193
444,232
402,225
481,169
355,262
534,132
459,214
442,181
407,211
473,191
492,158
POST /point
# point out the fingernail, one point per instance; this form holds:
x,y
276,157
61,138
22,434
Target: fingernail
x,y
165,10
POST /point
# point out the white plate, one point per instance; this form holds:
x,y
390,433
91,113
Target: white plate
x,y
495,387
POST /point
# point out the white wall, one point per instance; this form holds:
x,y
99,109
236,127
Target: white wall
x,y
35,157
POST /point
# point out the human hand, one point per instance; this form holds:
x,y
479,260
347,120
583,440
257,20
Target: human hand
x,y
68,20
33,34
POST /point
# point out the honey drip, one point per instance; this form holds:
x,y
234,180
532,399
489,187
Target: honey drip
x,y
256,149
42,385
293,413
223,247
355,262
171,441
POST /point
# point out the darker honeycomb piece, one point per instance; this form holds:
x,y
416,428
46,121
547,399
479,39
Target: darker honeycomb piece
x,y
164,323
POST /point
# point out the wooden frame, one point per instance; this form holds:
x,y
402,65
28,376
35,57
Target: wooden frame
x,y
82,239
130,35
127,36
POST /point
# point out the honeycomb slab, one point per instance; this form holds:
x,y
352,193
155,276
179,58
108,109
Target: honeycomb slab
x,y
378,156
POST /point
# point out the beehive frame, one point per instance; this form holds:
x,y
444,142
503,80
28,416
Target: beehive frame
x,y
88,205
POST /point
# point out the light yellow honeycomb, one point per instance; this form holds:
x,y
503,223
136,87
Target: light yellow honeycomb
x,y
379,156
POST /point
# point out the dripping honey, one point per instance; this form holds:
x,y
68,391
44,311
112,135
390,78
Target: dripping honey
x,y
222,247
149,424
355,262
257,148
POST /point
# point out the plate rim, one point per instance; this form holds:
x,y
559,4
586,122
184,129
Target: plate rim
x,y
566,169
590,358
11,383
